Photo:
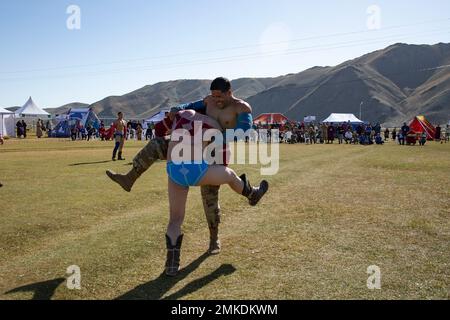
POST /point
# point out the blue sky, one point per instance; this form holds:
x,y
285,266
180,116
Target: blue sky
x,y
125,45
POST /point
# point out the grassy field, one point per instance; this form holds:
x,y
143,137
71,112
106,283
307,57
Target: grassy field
x,y
332,211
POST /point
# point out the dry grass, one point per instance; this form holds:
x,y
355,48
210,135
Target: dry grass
x,y
332,211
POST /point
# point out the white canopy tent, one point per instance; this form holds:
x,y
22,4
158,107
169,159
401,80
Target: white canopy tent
x,y
7,124
30,109
342,117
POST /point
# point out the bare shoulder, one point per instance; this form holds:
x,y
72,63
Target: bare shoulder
x,y
242,107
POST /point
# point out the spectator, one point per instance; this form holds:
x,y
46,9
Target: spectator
x,y
377,129
423,138
331,133
324,130
364,140
379,140
83,132
139,132
90,132
312,134
24,125
348,136
368,130
438,133
405,129
340,133
49,127
74,132
394,134
102,131
386,134
19,127
401,138
39,126
355,137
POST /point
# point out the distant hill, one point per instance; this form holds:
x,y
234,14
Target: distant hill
x,y
391,83
394,84
63,109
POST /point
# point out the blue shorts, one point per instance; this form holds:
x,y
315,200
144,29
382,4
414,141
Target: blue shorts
x,y
186,174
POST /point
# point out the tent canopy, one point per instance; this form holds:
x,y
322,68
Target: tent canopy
x,y
7,124
420,125
157,117
84,116
271,118
30,109
4,111
342,117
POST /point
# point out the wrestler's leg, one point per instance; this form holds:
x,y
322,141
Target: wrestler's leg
x,y
174,237
218,174
210,197
122,142
154,150
116,147
177,203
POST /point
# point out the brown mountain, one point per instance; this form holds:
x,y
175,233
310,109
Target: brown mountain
x,y
394,84
63,109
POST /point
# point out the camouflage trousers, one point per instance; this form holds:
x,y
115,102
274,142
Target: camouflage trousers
x,y
155,150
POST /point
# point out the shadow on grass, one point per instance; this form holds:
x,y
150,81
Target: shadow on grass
x,y
155,289
42,290
88,163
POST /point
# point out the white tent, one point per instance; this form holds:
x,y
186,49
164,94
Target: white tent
x,y
341,118
7,124
30,109
157,117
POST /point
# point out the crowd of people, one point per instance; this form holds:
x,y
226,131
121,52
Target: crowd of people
x,y
22,128
347,133
327,133
134,131
291,133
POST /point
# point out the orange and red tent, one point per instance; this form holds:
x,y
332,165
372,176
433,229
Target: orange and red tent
x,y
420,124
271,118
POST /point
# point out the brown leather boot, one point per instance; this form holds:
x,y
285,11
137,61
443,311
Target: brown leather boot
x,y
214,242
126,181
173,256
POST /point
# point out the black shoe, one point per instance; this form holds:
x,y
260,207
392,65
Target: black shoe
x,y
254,194
120,156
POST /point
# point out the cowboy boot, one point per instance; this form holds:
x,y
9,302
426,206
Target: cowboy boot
x,y
126,181
173,256
214,242
254,194
120,156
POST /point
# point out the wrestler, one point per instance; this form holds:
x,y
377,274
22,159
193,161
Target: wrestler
x,y
231,113
119,126
196,172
